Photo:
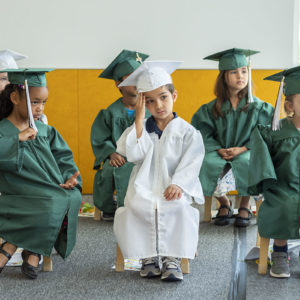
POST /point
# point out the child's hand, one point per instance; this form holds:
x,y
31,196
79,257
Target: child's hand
x,y
140,108
173,192
27,134
234,151
140,114
116,160
223,153
71,182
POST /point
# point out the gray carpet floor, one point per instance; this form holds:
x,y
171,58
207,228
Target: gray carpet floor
x,y
88,273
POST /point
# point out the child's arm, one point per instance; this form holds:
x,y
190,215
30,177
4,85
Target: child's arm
x,y
101,138
135,142
140,115
204,122
261,168
63,156
186,175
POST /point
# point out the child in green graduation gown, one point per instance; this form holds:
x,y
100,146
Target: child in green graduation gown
x,y
226,124
112,169
39,182
275,156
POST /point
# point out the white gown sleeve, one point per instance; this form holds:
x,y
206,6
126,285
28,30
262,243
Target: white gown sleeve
x,y
134,149
187,172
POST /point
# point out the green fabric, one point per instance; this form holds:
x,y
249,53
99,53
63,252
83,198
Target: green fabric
x,y
33,205
34,77
232,59
233,130
107,128
275,156
291,81
125,63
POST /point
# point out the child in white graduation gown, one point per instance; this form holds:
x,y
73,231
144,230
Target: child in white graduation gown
x,y
157,219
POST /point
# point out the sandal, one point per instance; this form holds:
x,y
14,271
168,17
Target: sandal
x,y
27,269
5,253
223,219
243,222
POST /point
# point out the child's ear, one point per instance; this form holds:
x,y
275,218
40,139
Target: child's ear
x,y
174,96
289,106
14,97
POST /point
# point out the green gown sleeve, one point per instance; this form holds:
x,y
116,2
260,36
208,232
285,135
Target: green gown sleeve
x,y
264,118
63,156
101,138
11,153
261,169
203,121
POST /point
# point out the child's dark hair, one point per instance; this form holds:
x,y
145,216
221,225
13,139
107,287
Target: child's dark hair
x,y
290,99
6,106
222,94
170,87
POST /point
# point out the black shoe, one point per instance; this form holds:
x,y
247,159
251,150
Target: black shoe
x,y
223,219
109,217
243,222
27,269
5,253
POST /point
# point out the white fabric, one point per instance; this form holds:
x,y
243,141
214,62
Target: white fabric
x,y
44,119
175,158
8,59
226,183
151,75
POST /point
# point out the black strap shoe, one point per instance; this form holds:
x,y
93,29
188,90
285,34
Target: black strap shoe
x,y
27,269
243,222
5,253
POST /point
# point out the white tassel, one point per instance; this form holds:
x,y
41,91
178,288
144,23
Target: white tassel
x,y
30,115
250,98
276,116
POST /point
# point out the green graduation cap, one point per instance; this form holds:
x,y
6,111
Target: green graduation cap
x,y
232,59
291,79
289,85
34,77
125,63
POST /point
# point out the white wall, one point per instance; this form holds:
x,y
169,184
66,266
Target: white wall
x,y
90,33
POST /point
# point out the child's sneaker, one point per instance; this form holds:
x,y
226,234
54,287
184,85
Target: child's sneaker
x,y
171,270
150,267
280,265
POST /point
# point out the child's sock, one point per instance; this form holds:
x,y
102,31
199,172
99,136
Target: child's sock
x,y
280,248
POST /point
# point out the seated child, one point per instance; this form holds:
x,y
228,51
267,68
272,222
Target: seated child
x,y
157,219
112,170
39,181
275,157
226,124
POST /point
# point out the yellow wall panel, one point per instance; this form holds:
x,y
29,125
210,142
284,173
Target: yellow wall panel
x,y
76,96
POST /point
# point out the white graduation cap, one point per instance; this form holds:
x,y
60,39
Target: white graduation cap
x,y
8,59
151,75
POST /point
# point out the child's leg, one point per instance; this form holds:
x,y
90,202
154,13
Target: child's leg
x,y
245,202
223,201
8,248
279,258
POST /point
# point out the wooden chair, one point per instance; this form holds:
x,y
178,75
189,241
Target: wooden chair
x,y
185,265
47,262
97,215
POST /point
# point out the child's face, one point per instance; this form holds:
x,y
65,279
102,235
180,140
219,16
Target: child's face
x,y
159,102
237,79
294,105
127,91
38,98
3,81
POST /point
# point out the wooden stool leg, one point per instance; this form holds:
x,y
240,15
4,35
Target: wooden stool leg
x,y
263,255
207,209
258,204
97,215
185,266
47,264
1,241
119,260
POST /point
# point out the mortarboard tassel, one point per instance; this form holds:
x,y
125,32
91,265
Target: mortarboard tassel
x,y
30,115
250,98
276,116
